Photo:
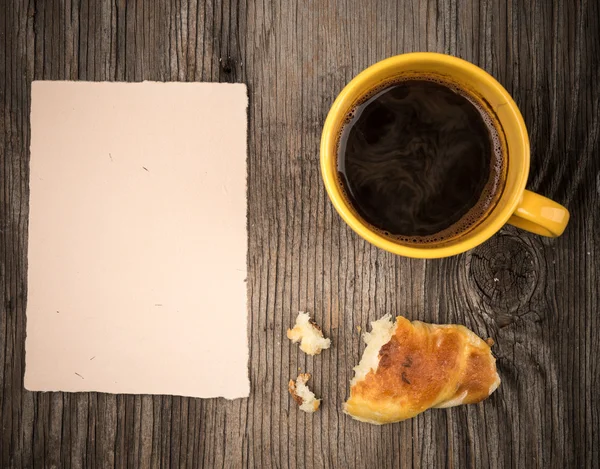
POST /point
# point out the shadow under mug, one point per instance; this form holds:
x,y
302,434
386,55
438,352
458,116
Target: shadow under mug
x,y
514,204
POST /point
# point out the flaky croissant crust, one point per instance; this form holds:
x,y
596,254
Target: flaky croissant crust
x,y
424,366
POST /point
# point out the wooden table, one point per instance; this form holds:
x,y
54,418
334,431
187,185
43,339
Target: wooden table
x,y
538,298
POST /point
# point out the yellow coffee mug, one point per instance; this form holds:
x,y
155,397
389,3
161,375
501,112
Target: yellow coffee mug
x,y
514,204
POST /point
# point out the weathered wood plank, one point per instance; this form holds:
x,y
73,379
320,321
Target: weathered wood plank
x,y
537,298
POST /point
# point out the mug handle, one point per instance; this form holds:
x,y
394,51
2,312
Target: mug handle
x,y
540,215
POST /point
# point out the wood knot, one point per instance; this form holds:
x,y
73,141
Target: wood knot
x,y
227,65
503,272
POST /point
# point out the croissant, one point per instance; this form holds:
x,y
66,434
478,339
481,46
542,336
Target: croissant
x,y
409,367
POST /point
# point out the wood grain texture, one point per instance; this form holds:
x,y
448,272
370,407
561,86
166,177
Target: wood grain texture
x,y
536,297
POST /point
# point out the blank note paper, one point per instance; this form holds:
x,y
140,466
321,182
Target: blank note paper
x,y
137,239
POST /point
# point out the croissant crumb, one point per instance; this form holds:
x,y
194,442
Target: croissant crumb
x,y
308,334
302,395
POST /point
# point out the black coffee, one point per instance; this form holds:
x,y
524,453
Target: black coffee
x,y
420,160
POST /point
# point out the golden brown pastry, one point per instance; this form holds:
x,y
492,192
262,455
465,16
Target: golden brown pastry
x,y
409,367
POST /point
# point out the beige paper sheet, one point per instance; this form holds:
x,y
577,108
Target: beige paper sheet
x,y
137,239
